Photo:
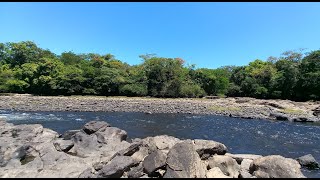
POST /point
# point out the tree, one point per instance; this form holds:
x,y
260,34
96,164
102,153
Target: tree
x,y
165,76
309,80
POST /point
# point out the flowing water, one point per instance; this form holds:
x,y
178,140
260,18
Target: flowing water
x,y
249,136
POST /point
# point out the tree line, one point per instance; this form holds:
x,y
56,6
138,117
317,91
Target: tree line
x,y
27,68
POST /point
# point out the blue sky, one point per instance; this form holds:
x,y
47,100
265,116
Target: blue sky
x,y
208,34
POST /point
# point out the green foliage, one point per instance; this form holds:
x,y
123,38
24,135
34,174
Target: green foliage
x,y
191,90
26,68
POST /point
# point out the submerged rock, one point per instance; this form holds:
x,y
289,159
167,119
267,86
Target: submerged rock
x,y
308,161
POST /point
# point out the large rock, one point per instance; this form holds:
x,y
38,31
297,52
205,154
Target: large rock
x,y
308,161
216,173
153,162
245,168
161,142
136,172
240,157
94,126
116,167
275,166
245,164
63,145
110,135
68,134
228,165
165,142
88,173
184,162
84,145
141,154
134,147
206,148
245,174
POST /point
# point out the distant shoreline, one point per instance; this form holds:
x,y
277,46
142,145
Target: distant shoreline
x,y
242,107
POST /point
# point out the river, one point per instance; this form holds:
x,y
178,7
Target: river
x,y
248,136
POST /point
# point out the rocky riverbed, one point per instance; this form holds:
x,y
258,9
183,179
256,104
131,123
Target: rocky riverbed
x,y
283,110
99,150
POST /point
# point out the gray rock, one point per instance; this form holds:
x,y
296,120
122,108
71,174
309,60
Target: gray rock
x,y
110,135
245,174
207,148
87,174
280,117
302,119
272,105
184,161
153,162
63,145
94,126
228,165
216,173
116,167
316,111
136,172
134,147
141,154
68,134
84,145
240,157
275,166
161,142
245,164
308,161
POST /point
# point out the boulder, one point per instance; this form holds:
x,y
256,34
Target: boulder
x,y
134,147
245,164
63,145
161,142
276,166
68,134
136,172
245,174
240,157
141,154
216,173
110,135
207,148
84,145
308,161
88,173
116,167
94,126
153,162
184,162
228,165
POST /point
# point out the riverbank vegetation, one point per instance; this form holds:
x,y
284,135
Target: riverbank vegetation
x,y
27,68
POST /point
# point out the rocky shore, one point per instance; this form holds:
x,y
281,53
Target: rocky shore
x,y
249,108
99,150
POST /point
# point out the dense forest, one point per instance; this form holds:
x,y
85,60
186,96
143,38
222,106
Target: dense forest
x,y
27,68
